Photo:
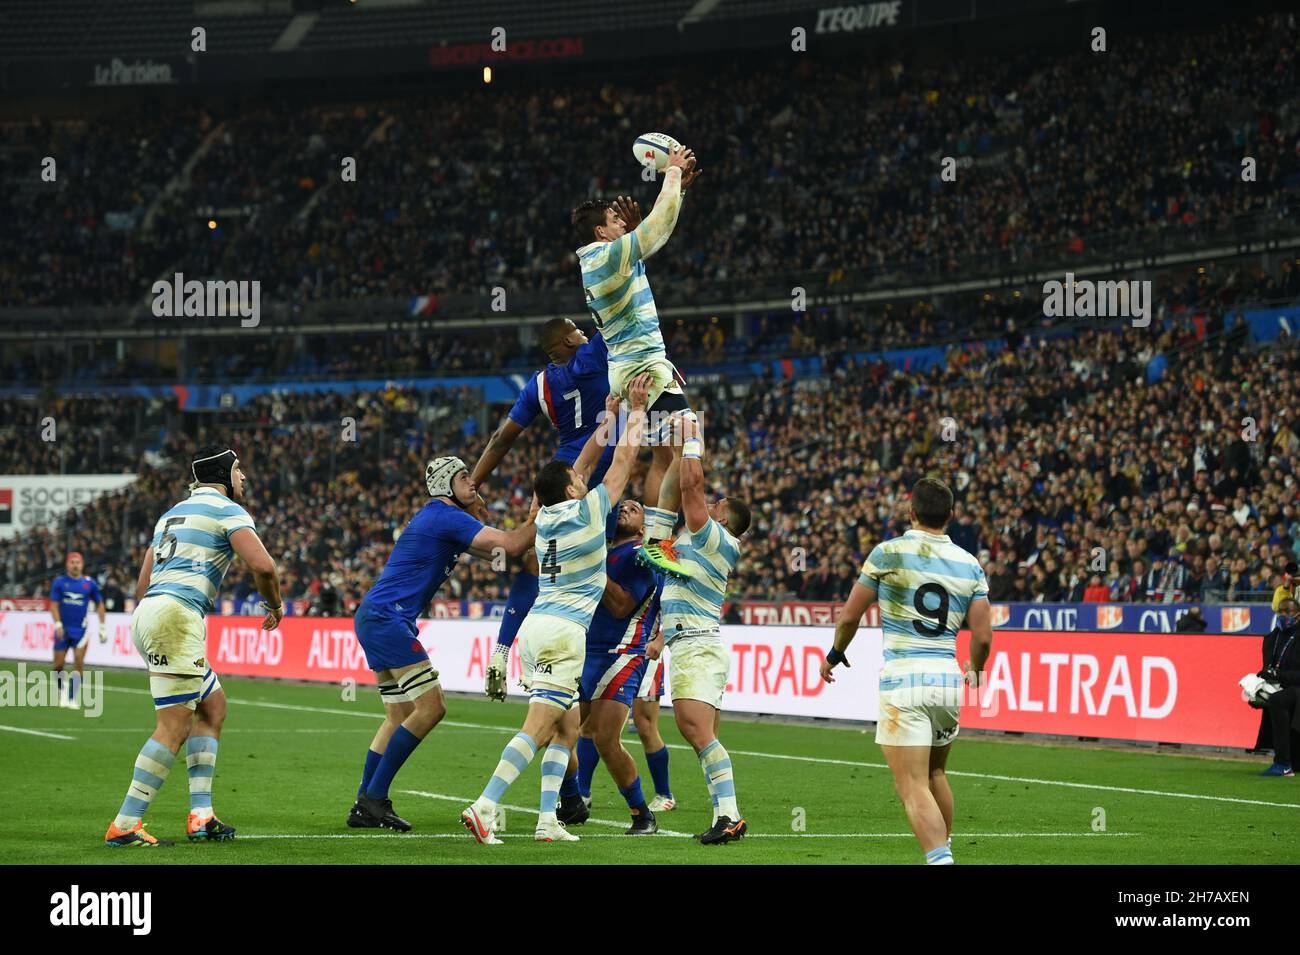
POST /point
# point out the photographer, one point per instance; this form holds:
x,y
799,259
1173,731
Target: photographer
x,y
1281,721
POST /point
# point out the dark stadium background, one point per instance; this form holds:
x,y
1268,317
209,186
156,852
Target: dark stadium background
x,y
820,172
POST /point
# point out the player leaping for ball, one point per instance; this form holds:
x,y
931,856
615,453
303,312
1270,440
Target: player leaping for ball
x,y
571,553
615,244
928,587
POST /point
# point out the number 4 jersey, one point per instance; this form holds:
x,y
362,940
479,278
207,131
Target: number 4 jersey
x,y
571,557
926,583
192,549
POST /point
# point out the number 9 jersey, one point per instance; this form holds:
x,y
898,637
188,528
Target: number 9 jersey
x,y
925,585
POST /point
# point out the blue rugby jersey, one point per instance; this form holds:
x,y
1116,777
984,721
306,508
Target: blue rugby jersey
x,y
570,397
630,634
74,595
422,559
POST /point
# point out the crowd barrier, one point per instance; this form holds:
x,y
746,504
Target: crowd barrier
x,y
1173,688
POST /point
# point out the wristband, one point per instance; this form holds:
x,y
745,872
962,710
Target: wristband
x,y
692,448
835,657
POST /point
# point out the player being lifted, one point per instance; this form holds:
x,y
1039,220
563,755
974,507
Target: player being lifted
x,y
615,242
193,546
571,554
928,587
691,615
70,597
421,560
570,393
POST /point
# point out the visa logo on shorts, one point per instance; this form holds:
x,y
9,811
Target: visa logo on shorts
x,y
157,659
542,668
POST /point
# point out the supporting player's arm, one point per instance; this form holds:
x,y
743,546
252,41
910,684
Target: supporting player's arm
x,y
252,552
491,540
846,628
620,469
690,477
502,440
600,439
616,600
979,617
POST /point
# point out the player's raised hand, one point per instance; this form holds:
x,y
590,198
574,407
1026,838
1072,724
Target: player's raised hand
x,y
691,174
638,391
478,508
612,403
681,158
532,511
626,208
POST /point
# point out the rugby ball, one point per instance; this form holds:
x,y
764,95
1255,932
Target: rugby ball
x,y
651,149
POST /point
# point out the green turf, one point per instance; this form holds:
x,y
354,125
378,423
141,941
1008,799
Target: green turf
x,y
288,771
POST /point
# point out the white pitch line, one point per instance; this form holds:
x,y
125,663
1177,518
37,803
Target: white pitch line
x,y
681,835
19,729
592,821
822,760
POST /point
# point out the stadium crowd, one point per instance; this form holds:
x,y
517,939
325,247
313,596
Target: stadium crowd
x,y
1088,463
1061,156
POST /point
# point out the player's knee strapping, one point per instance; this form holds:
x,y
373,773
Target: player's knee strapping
x,y
415,683
552,696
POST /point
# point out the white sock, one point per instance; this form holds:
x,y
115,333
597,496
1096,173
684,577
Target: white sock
x,y
659,524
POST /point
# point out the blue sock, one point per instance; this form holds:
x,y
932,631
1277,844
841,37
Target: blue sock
x,y
399,748
658,763
569,786
939,856
632,795
588,760
372,763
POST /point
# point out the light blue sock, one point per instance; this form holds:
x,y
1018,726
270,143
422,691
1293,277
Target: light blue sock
x,y
939,856
519,752
151,768
201,766
554,763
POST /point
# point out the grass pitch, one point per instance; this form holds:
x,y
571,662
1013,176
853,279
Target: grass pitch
x,y
291,757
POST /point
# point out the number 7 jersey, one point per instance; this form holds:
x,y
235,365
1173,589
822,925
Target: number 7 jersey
x,y
571,557
192,549
926,584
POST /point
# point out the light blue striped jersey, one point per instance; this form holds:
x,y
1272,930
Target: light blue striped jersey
x,y
192,550
571,557
619,297
693,606
926,584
